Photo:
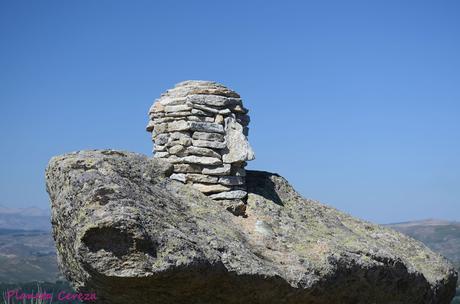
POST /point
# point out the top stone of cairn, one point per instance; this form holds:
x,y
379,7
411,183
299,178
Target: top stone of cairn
x,y
201,87
201,127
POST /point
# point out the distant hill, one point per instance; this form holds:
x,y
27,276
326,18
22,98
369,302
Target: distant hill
x,y
24,218
27,255
440,236
29,211
27,251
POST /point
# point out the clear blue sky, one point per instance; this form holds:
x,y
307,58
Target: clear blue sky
x,y
356,103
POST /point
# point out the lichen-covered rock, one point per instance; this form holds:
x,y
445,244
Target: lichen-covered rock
x,y
127,231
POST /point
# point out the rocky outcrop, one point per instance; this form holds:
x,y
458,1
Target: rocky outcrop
x,y
126,230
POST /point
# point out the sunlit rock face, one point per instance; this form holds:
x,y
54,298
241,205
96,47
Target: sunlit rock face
x,y
201,127
129,233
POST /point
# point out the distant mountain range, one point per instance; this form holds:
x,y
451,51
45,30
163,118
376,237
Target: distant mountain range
x,y
441,236
31,218
29,211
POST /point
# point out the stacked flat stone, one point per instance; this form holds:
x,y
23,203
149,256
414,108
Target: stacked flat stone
x,y
201,127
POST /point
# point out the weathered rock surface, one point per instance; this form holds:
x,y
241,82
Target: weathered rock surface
x,y
238,149
127,231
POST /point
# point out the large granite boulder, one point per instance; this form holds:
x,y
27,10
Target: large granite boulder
x,y
133,235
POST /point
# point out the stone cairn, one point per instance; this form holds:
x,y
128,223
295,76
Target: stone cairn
x,y
201,128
